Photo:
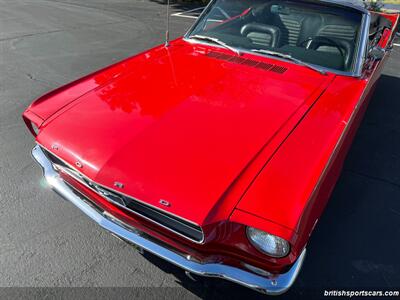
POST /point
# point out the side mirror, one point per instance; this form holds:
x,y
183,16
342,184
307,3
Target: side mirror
x,y
377,53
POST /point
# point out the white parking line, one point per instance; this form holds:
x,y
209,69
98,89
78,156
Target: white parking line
x,y
397,45
185,14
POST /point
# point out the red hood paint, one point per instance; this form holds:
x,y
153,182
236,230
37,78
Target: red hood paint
x,y
178,125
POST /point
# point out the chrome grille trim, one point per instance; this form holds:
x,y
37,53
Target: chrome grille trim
x,y
276,285
178,225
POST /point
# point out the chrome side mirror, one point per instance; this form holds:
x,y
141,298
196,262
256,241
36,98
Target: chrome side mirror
x,y
377,53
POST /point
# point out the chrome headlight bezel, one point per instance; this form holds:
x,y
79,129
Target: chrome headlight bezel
x,y
281,245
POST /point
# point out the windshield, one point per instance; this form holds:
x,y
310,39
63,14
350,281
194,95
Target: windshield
x,y
315,34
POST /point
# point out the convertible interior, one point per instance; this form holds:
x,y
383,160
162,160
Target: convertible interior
x,y
323,35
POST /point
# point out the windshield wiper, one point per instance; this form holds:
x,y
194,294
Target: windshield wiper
x,y
214,40
288,56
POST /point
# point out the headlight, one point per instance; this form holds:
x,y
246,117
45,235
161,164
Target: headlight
x,y
267,243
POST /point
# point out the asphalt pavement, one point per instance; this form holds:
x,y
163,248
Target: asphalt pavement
x,y
46,242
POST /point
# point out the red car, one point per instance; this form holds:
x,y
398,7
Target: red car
x,y
219,150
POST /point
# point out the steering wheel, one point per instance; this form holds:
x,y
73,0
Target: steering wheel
x,y
316,41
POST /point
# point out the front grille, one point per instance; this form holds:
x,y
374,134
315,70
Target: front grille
x,y
177,225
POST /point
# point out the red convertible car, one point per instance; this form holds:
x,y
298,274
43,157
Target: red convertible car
x,y
219,150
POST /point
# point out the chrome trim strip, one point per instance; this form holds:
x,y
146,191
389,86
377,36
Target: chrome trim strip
x,y
362,40
140,201
77,178
362,45
321,68
204,11
272,286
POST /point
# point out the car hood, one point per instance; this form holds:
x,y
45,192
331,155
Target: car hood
x,y
179,125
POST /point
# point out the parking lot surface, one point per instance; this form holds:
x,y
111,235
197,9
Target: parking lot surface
x,y
46,242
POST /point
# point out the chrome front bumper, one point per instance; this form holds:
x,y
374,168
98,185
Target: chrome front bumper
x,y
271,286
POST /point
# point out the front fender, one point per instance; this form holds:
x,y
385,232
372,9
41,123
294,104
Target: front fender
x,y
295,185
